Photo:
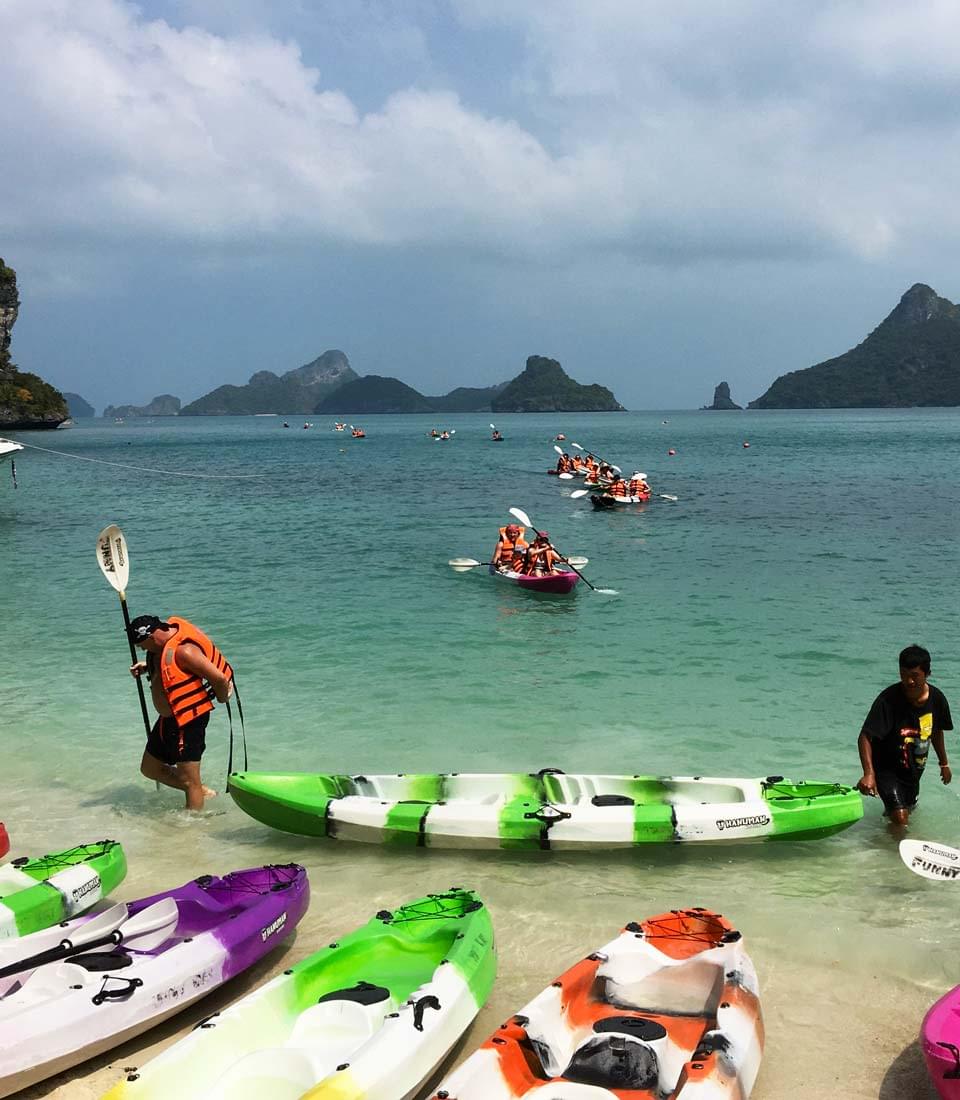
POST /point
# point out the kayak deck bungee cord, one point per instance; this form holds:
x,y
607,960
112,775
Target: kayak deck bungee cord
x,y
546,809
372,1015
37,893
669,1010
175,947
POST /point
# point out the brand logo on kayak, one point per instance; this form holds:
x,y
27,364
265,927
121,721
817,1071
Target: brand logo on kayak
x,y
935,868
945,853
275,926
79,892
742,822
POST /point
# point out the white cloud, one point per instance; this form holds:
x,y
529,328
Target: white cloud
x,y
665,131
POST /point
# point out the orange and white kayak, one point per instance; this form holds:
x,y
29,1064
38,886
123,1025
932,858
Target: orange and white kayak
x,y
669,1010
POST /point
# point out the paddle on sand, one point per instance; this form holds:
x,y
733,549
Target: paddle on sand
x,y
934,861
461,565
114,562
522,516
148,929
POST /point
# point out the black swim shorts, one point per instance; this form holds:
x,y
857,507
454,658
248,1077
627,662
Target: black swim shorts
x,y
175,745
899,790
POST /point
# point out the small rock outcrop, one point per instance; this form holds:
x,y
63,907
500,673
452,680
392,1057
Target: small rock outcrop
x,y
165,404
26,401
544,386
721,400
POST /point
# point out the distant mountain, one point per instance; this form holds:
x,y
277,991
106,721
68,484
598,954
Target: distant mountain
x,y
296,391
26,400
911,358
163,405
722,401
544,386
78,407
466,399
374,394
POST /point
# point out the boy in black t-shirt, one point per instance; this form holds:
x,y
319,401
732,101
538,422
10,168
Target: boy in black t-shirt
x,y
904,721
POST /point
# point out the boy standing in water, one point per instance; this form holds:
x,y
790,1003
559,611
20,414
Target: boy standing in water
x,y
186,672
904,721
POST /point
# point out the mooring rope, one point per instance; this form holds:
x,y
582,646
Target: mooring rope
x,y
128,466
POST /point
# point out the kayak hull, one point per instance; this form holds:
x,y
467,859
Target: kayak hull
x,y
38,893
546,810
556,584
669,1010
371,1015
604,502
4,840
940,1040
65,1012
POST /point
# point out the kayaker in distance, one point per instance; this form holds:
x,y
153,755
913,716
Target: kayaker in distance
x,y
496,437
904,721
185,669
509,553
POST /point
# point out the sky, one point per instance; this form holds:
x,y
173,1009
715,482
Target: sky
x,y
660,194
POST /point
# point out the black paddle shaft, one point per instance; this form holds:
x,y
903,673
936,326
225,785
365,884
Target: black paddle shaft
x,y
135,659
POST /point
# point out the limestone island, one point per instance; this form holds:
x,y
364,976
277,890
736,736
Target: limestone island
x,y
77,406
163,405
544,386
911,358
721,400
26,401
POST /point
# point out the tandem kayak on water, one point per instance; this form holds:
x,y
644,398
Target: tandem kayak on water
x,y
369,1016
548,809
605,500
37,893
669,1010
66,1011
558,583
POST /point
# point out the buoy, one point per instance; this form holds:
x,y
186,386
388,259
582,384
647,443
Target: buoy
x,y
671,452
746,444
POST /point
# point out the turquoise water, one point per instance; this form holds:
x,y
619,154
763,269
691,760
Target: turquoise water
x,y
754,620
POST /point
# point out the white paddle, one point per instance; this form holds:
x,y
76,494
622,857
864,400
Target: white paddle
x,y
462,564
934,861
102,924
148,929
114,562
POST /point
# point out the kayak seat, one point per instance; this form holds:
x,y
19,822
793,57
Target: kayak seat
x,y
46,984
363,992
612,800
615,1061
96,962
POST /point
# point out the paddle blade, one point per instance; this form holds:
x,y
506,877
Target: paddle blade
x,y
566,477
151,926
112,557
98,927
519,514
464,563
577,562
935,861
493,426
578,493
667,496
577,445
559,450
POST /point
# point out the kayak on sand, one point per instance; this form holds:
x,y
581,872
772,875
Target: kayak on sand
x,y
371,1015
670,1009
940,1040
560,582
37,893
67,1011
547,809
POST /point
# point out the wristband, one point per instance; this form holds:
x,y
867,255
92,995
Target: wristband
x,y
944,765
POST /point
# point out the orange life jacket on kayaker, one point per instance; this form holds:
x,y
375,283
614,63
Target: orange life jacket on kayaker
x,y
638,487
511,551
188,695
618,488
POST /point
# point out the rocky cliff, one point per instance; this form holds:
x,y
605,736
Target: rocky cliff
x,y
26,401
544,386
721,400
911,358
78,407
164,404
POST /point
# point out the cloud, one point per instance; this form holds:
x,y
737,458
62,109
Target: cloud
x,y
664,132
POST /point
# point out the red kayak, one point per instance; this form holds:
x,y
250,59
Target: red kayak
x,y
561,582
4,840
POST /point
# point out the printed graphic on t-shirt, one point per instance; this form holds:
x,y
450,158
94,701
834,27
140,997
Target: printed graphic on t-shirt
x,y
915,742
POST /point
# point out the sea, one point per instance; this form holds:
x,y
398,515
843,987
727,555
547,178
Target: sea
x,y
742,629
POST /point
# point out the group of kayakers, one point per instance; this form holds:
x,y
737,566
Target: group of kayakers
x,y
607,477
434,434
513,554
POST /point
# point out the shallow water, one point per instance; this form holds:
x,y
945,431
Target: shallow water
x,y
756,618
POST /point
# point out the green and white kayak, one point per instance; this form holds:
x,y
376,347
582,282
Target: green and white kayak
x,y
370,1017
546,809
37,893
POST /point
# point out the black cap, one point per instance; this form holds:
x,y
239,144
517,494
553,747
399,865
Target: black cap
x,y
143,626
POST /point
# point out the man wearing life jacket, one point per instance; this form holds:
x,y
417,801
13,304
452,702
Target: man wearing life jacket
x,y
638,486
617,487
186,672
510,549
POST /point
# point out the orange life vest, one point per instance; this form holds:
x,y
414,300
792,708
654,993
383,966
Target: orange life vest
x,y
511,552
188,695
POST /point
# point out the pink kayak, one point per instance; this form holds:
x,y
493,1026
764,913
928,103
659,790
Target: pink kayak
x,y
562,581
940,1039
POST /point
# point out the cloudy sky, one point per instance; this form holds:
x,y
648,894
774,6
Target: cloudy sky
x,y
661,194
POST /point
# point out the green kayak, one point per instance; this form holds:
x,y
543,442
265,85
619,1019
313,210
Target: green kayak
x,y
371,1015
546,809
38,893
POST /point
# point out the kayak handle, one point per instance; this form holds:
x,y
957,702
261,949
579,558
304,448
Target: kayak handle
x,y
130,984
953,1074
421,1006
547,814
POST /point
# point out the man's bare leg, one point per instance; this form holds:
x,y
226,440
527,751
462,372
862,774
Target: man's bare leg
x,y
196,792
166,774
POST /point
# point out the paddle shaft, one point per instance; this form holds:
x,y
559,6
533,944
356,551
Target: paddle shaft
x,y
53,954
135,659
595,455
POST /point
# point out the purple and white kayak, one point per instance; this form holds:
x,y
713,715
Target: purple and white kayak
x,y
561,582
65,1011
